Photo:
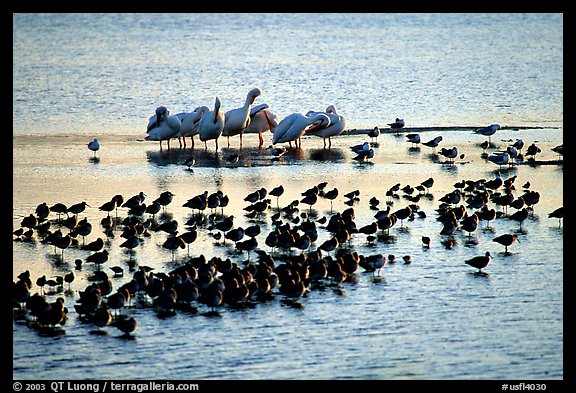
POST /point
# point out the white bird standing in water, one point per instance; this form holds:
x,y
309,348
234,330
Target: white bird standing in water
x,y
212,124
162,126
294,125
262,119
190,122
94,146
334,128
236,120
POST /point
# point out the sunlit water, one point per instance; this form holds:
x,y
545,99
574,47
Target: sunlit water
x,y
97,73
432,319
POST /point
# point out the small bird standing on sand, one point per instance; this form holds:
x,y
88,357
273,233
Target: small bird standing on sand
x,y
532,151
433,143
94,146
374,133
488,131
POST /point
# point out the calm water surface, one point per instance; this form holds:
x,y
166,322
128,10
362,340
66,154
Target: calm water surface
x,y
97,73
86,75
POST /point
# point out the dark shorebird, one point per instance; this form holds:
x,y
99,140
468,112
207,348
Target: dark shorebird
x,y
520,216
558,150
98,257
130,243
450,154
172,243
559,214
59,208
94,146
277,152
190,162
506,241
188,238
126,324
108,206
164,199
29,222
426,241
310,199
153,208
225,225
330,244
235,235
134,201
479,262
433,143
374,133
118,271
532,150
63,243
428,183
42,211
77,208
69,278
413,139
372,263
403,214
331,195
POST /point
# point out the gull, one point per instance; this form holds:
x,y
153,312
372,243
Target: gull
x,y
487,131
434,142
360,148
413,138
398,124
374,133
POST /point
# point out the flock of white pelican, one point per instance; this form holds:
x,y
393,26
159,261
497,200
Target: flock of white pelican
x,y
212,124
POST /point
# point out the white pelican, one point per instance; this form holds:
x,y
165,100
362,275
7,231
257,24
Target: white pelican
x,y
162,126
190,121
293,126
262,119
238,119
94,146
336,126
212,124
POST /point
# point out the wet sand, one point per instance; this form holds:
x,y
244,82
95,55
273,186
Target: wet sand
x,y
61,169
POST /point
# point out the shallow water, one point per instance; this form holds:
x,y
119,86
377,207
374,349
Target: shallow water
x,y
433,319
80,76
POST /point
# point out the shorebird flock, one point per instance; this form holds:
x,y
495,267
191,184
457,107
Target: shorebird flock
x,y
287,249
